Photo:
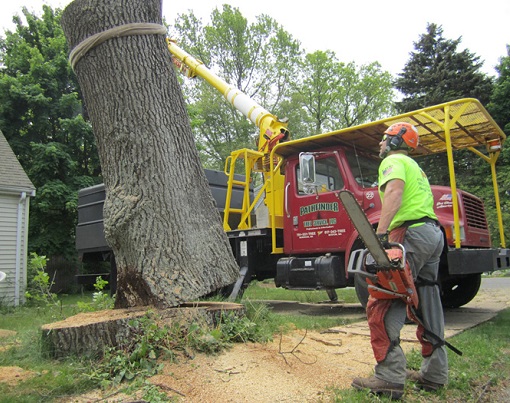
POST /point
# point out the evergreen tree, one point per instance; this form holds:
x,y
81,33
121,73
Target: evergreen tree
x,y
41,117
499,108
437,72
499,105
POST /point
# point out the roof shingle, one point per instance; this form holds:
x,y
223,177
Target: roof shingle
x,y
12,175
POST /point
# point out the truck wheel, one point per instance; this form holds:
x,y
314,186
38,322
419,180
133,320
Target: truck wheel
x,y
360,285
458,291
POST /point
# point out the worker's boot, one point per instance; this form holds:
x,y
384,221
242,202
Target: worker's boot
x,y
422,383
378,386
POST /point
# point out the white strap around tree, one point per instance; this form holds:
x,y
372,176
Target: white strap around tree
x,y
91,42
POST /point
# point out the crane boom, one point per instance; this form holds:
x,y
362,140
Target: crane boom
x,y
270,126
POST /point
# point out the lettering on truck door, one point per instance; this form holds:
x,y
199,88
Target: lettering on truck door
x,y
315,220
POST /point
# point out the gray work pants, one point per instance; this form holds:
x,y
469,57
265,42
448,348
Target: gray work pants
x,y
423,245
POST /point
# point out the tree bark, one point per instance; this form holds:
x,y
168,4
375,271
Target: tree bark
x,y
159,215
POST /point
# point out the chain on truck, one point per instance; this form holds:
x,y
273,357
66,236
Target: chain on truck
x,y
293,228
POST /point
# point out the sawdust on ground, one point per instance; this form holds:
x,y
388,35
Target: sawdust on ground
x,y
300,367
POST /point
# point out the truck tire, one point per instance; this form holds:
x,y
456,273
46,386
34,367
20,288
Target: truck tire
x,y
458,291
360,286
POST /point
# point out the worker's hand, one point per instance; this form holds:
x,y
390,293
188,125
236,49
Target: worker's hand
x,y
384,240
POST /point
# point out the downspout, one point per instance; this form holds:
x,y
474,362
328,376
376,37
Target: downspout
x,y
19,249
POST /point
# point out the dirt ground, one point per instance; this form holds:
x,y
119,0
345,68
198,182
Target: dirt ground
x,y
297,367
294,368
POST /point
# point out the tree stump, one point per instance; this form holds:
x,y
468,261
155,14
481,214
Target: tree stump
x,y
91,332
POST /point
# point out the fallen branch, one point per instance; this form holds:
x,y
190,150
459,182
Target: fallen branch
x,y
331,331
327,343
292,352
166,387
228,371
484,390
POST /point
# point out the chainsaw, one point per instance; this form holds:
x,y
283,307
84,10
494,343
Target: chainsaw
x,y
386,271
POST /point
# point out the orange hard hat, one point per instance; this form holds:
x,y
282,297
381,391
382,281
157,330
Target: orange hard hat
x,y
402,133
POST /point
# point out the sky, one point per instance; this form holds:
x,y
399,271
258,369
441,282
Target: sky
x,y
361,31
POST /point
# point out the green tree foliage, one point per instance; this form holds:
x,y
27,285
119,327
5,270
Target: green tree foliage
x,y
437,72
316,92
41,117
499,105
259,59
329,95
499,108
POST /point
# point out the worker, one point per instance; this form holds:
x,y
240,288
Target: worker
x,y
407,217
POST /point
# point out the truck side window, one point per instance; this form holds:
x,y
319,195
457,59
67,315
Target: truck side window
x,y
363,168
328,177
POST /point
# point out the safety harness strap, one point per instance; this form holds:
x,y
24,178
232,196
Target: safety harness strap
x,y
428,339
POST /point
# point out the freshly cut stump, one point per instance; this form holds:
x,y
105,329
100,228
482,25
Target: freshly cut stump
x,y
91,332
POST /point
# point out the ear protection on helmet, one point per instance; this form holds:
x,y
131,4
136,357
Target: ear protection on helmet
x,y
401,136
395,142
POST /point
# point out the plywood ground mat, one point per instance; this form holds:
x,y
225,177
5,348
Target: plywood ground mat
x,y
456,321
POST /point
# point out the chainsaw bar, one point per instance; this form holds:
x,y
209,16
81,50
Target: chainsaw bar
x,y
364,228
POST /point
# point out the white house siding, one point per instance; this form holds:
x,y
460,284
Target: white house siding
x,y
13,259
15,192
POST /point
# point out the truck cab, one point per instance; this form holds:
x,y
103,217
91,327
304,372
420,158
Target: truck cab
x,y
314,220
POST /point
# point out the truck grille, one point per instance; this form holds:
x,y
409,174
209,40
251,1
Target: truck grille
x,y
475,213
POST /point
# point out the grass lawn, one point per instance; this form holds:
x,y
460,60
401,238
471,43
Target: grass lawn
x,y
265,290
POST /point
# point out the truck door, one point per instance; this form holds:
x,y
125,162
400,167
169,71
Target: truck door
x,y
314,219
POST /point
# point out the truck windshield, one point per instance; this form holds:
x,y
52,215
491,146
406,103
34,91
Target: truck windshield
x,y
363,168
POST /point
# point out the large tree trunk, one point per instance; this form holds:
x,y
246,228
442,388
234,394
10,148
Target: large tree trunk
x,y
160,217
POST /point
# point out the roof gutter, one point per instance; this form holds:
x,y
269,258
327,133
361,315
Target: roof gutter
x,y
21,244
17,190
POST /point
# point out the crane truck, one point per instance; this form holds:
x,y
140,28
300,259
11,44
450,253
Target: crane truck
x,y
294,229
306,238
